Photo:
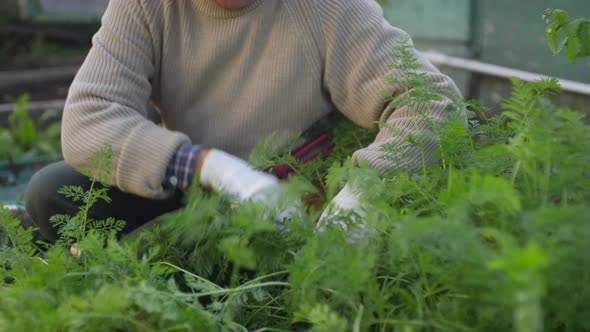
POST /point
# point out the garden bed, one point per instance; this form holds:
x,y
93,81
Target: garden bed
x,y
494,238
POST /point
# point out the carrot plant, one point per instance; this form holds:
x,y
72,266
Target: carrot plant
x,y
493,237
73,229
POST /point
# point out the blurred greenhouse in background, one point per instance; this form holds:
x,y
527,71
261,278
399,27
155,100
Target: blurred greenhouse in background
x,y
506,33
60,11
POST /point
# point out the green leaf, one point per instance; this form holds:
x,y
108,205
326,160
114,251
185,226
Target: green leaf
x,y
561,17
571,50
584,38
552,37
53,130
237,251
576,39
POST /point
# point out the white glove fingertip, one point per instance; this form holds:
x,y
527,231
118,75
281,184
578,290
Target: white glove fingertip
x,y
347,199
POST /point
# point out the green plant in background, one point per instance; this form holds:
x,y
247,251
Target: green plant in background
x,y
564,34
25,139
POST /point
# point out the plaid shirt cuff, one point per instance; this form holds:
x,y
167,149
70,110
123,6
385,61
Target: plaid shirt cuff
x,y
181,168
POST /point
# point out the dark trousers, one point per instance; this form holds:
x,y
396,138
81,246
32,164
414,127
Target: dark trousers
x,y
43,201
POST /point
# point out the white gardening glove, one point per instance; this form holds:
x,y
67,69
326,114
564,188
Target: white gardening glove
x,y
229,174
232,175
346,201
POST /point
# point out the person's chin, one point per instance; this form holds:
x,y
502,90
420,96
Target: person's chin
x,y
233,4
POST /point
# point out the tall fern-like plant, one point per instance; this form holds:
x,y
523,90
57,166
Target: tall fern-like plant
x,y
73,229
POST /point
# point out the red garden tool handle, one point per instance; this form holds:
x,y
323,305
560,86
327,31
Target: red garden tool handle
x,y
307,152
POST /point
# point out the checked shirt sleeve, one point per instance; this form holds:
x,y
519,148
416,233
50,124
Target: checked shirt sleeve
x,y
181,168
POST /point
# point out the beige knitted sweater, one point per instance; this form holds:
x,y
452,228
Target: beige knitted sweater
x,y
226,79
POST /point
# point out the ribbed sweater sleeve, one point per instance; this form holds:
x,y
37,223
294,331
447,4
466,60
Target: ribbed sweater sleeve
x,y
108,99
357,47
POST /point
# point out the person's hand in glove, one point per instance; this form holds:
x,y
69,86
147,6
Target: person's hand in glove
x,y
347,204
223,172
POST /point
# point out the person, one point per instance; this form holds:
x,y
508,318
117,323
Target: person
x,y
223,74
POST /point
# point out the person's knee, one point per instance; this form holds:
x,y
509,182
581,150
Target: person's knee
x,y
40,188
42,199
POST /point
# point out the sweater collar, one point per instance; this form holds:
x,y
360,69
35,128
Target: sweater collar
x,y
213,10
